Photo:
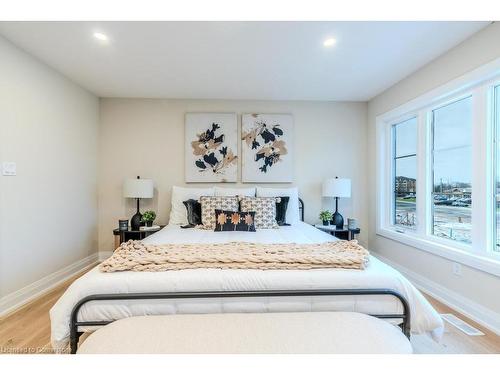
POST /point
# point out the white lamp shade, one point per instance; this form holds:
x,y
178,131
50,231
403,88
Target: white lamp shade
x,y
337,187
138,188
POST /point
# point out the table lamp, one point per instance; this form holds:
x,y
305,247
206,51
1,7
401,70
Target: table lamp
x,y
137,188
337,188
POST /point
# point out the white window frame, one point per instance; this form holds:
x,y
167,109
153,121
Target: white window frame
x,y
480,255
392,212
494,129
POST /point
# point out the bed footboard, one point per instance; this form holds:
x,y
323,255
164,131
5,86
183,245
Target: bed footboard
x,y
75,324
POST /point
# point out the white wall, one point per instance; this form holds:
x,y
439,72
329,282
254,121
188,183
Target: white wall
x,y
48,212
476,286
146,137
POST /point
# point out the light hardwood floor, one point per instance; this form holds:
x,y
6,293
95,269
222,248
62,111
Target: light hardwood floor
x,y
27,330
455,341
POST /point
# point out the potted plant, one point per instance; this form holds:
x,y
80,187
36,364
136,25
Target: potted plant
x,y
325,216
148,217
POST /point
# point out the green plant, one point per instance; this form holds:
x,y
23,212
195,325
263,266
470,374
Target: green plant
x,y
325,215
148,216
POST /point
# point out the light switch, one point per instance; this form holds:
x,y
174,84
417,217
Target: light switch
x,y
8,168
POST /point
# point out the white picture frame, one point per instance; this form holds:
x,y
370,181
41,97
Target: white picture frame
x,y
267,147
211,147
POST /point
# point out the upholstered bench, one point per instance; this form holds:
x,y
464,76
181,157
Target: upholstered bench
x,y
294,332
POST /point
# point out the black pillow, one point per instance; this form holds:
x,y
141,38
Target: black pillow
x,y
193,208
230,221
281,207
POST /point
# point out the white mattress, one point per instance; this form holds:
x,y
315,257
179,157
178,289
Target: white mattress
x,y
377,275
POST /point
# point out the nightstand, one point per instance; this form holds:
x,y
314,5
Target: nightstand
x,y
125,235
343,234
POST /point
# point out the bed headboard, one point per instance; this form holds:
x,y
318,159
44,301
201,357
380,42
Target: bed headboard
x,y
301,209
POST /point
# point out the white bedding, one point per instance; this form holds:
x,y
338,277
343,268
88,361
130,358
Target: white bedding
x,y
377,275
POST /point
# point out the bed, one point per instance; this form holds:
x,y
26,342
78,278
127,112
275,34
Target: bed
x,y
197,291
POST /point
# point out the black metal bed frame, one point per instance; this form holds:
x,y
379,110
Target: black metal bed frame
x,y
75,324
301,209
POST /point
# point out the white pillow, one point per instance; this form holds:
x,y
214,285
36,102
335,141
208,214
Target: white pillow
x,y
292,212
226,192
178,213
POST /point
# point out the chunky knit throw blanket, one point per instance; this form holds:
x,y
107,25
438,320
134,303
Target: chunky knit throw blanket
x,y
137,256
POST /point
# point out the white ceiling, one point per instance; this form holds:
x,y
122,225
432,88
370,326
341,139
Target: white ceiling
x,y
238,60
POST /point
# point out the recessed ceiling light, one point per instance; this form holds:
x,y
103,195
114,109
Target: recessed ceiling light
x,y
102,37
329,42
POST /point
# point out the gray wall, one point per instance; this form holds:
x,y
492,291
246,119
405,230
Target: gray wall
x,y
48,212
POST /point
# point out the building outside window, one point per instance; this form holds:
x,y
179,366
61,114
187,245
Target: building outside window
x,y
405,172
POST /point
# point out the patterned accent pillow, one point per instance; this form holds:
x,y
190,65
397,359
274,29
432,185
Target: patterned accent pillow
x,y
265,211
210,204
231,221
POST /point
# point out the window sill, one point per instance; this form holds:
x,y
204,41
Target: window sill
x,y
486,264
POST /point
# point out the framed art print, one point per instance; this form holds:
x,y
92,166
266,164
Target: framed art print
x,y
267,148
211,147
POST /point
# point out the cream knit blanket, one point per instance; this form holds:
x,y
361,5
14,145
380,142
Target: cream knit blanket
x,y
137,256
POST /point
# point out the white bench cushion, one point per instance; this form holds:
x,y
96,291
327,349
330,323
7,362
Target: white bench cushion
x,y
308,332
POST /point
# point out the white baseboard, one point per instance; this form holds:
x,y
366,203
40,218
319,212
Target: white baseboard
x,y
482,315
103,255
22,296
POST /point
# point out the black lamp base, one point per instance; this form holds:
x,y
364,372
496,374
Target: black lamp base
x,y
135,222
337,220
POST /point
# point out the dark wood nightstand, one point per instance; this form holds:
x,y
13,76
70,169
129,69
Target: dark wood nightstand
x,y
343,234
125,235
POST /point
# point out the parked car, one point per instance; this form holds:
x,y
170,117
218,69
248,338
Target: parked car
x,y
443,202
409,196
440,198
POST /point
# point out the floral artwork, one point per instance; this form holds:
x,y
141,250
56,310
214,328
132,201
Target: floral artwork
x,y
206,147
266,148
235,219
211,147
248,219
221,218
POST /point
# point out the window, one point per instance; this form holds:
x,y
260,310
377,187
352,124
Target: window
x,y
452,170
405,173
438,171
